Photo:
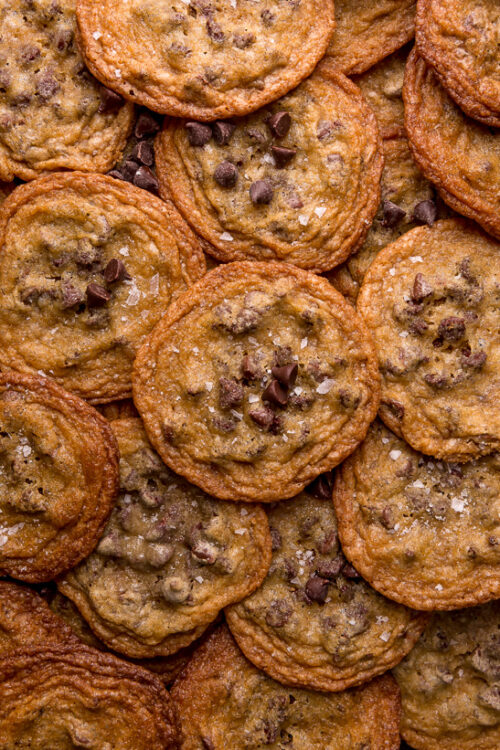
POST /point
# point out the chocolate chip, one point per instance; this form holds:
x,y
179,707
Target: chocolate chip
x,y
222,132
387,518
286,375
63,39
395,407
226,174
262,417
436,380
278,614
267,17
249,368
215,31
322,487
145,179
256,135
223,424
230,394
144,153
473,361
198,134
29,53
349,571
326,128
72,296
282,356
279,124
275,539
146,125
261,192
128,170
115,271
282,156
110,101
452,328
317,589
421,288
425,212
330,568
242,41
97,296
392,214
47,86
275,394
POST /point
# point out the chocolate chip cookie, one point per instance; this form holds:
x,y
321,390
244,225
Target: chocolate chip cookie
x,y
223,701
315,622
58,477
201,59
296,181
408,200
53,113
367,32
422,532
88,266
459,155
80,698
431,301
170,557
459,39
259,378
449,682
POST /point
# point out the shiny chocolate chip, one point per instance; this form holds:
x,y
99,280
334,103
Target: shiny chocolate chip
x,y
421,288
226,174
146,125
261,192
110,101
317,589
275,394
282,156
145,179
222,132
392,214
279,124
97,295
425,212
115,271
144,153
286,375
198,134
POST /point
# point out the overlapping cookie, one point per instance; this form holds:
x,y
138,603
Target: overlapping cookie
x,y
223,701
53,113
88,265
366,32
257,379
459,155
58,478
314,622
422,532
459,39
170,557
202,59
430,300
297,181
449,682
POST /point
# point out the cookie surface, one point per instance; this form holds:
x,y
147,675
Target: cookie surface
x,y
58,480
438,130
204,60
180,555
53,113
408,200
314,622
257,380
368,32
296,181
79,697
88,266
421,531
431,302
449,682
459,39
223,701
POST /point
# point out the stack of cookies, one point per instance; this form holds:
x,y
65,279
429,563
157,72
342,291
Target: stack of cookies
x,y
249,374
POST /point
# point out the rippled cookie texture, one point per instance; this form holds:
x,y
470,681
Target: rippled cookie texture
x,y
257,380
203,59
170,557
70,697
88,266
366,32
459,39
53,113
438,130
423,532
449,682
296,181
58,477
224,701
431,302
315,622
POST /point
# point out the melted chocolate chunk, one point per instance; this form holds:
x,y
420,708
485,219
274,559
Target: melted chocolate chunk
x,y
452,328
262,417
278,614
231,393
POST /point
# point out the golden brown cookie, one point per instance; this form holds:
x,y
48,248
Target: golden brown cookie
x,y
58,477
408,200
53,113
449,682
315,622
170,557
459,155
258,379
430,300
366,32
422,532
88,266
69,697
223,701
297,181
459,39
200,59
